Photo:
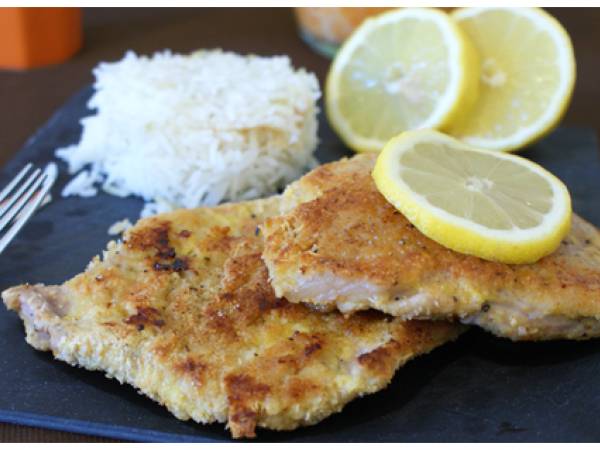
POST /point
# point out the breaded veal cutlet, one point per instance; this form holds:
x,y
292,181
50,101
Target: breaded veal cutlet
x,y
182,310
346,247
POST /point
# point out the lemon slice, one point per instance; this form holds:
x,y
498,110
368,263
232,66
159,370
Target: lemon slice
x,y
405,69
496,206
527,76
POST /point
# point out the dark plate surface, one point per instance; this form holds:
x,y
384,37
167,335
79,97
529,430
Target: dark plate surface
x,y
479,388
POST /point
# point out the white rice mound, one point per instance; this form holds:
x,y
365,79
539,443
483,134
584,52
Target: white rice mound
x,y
188,130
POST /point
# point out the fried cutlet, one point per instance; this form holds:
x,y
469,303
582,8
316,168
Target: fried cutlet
x,y
182,310
349,248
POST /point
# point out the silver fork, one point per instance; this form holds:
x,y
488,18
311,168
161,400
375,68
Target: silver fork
x,y
20,199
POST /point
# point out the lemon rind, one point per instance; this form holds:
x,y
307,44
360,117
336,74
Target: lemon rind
x,y
458,98
459,234
561,100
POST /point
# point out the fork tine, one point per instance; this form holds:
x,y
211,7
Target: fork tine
x,y
13,198
14,182
48,177
24,198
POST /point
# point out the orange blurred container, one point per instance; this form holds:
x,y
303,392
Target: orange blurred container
x,y
34,37
325,29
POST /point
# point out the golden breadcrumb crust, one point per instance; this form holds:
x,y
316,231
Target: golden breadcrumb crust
x,y
183,311
349,248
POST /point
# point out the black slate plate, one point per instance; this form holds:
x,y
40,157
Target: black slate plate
x,y
478,389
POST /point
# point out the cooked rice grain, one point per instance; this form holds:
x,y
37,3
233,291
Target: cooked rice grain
x,y
199,129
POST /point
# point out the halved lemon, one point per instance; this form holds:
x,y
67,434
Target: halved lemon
x,y
496,206
527,76
405,69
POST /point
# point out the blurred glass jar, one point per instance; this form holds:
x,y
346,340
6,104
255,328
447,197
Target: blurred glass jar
x,y
35,37
324,29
